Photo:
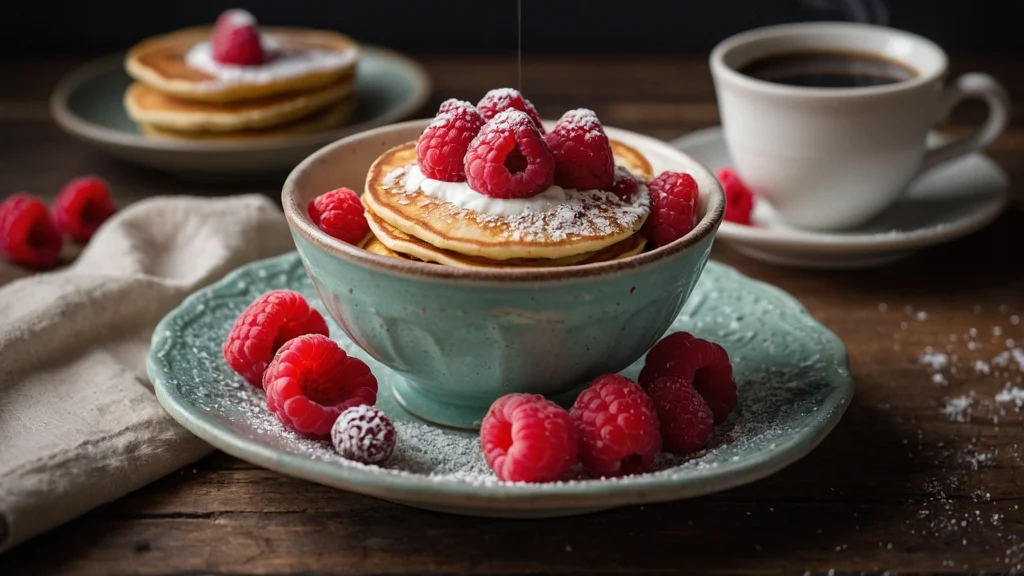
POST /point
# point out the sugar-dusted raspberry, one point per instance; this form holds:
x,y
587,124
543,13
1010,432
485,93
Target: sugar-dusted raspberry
x,y
739,200
674,198
311,381
82,205
685,418
364,434
583,154
340,213
617,426
705,365
263,327
236,39
27,234
527,438
500,99
509,158
441,149
625,185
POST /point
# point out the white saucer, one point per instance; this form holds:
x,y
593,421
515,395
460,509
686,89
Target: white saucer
x,y
946,203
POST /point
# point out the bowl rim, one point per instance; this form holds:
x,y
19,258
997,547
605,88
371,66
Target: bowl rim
x,y
300,223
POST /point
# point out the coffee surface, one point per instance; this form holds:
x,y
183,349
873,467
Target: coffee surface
x,y
821,69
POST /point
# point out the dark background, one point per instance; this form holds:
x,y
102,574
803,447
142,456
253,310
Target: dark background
x,y
450,26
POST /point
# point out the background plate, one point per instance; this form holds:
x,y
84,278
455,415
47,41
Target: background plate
x,y
794,385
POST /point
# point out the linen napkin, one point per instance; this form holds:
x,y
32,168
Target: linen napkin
x,y
79,422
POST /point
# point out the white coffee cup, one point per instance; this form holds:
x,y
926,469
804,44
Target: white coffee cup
x,y
833,158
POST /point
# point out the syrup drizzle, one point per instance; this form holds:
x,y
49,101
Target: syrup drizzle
x,y
519,45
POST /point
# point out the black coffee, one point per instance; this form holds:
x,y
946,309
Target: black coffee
x,y
820,69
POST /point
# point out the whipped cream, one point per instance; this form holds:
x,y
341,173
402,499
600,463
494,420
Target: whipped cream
x,y
461,195
281,63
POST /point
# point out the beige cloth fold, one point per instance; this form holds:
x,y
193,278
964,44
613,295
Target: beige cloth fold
x,y
79,423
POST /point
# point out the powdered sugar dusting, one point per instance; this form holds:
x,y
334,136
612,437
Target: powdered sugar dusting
x,y
282,62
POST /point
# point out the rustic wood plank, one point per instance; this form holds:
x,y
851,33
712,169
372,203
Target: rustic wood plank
x,y
900,485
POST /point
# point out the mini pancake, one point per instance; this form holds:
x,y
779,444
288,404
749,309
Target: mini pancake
x,y
586,223
396,241
331,117
148,106
160,63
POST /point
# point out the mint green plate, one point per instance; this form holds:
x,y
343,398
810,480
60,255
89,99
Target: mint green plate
x,y
794,385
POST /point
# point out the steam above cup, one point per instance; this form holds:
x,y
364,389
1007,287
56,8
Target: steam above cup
x,y
832,155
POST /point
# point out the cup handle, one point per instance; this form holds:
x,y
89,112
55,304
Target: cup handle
x,y
968,86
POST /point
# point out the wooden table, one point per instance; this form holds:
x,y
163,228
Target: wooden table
x,y
899,485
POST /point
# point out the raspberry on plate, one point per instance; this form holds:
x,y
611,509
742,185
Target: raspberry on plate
x,y
625,185
739,200
441,149
340,213
705,365
269,322
311,381
617,426
674,198
509,158
583,154
236,39
686,420
27,235
364,434
500,99
82,205
527,438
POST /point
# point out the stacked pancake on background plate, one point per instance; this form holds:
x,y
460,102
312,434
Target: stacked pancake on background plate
x,y
234,82
554,223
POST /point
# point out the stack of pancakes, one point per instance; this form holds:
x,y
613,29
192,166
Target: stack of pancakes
x,y
589,227
307,84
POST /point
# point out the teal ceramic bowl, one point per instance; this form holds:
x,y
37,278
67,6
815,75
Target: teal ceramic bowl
x,y
462,338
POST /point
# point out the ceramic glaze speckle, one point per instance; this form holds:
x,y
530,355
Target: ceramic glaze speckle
x,y
793,379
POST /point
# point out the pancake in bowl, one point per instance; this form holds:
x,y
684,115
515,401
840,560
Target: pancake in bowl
x,y
180,64
570,223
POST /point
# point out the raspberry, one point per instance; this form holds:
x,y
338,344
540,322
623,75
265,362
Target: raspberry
x,y
236,39
617,426
583,155
311,381
364,434
82,205
509,158
686,420
441,149
340,213
500,99
269,322
527,438
27,235
739,200
673,207
624,185
705,365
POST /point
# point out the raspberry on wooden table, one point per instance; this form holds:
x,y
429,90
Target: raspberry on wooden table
x,y
236,39
441,148
263,327
311,381
340,213
27,235
527,438
583,154
739,200
674,198
364,434
509,158
617,426
685,418
82,205
500,99
705,365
